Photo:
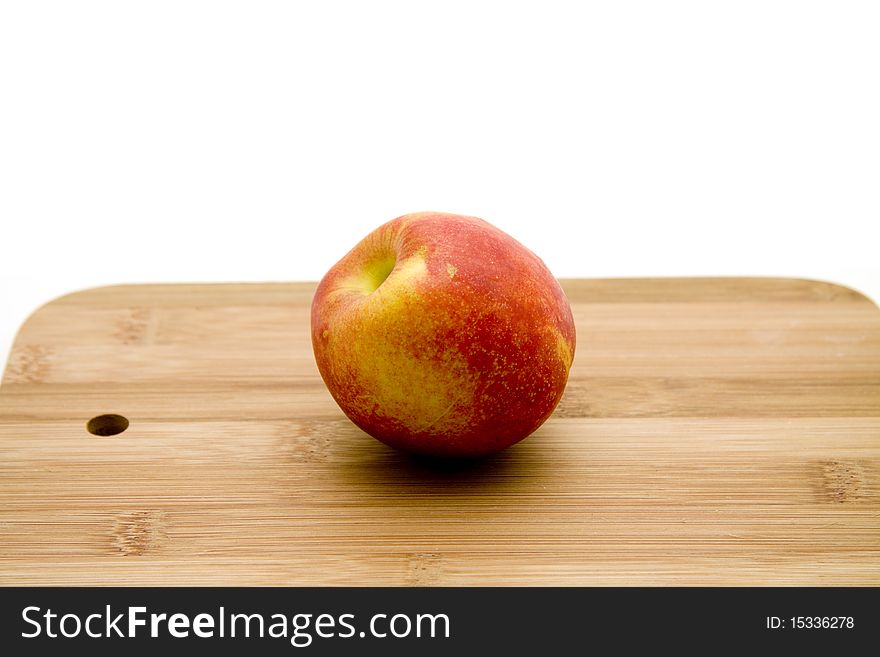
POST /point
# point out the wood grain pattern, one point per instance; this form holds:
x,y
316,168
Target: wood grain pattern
x,y
715,431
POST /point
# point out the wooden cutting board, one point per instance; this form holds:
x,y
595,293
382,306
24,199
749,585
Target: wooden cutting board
x,y
714,431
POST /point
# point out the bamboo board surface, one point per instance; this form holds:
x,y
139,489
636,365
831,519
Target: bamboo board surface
x,y
714,431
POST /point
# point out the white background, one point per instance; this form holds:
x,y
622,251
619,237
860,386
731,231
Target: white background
x,y
232,141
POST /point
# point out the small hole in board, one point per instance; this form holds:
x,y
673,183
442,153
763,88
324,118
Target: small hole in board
x,y
107,425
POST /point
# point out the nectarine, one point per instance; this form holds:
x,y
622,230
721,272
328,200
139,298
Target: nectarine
x,y
442,335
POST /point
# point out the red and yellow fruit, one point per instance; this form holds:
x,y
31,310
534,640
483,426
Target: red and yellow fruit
x,y
442,335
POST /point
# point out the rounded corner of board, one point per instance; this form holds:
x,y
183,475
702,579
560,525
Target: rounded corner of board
x,y
67,298
75,296
832,290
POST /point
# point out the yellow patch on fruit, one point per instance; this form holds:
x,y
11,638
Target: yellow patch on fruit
x,y
564,349
451,269
405,375
420,391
